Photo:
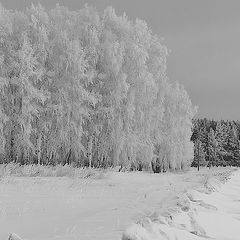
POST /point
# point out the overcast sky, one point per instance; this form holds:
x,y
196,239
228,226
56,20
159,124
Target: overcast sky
x,y
204,38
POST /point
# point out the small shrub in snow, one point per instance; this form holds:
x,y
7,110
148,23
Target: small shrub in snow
x,y
14,236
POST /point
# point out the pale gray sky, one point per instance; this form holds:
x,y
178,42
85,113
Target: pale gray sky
x,y
204,38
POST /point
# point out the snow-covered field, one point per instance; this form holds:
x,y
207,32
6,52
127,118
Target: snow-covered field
x,y
51,208
211,212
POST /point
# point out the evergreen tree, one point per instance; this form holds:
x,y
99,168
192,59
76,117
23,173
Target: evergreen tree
x,y
199,155
212,149
221,138
233,147
222,144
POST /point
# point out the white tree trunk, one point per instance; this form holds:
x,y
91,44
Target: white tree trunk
x,y
90,151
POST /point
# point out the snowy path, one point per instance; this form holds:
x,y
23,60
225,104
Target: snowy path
x,y
205,215
75,209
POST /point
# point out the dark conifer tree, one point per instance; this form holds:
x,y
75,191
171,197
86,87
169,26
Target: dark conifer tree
x,y
219,140
199,155
212,149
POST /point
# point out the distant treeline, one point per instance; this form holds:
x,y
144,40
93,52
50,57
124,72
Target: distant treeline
x,y
216,143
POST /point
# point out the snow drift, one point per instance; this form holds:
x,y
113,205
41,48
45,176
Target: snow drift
x,y
210,212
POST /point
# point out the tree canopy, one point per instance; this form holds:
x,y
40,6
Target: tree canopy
x,y
88,89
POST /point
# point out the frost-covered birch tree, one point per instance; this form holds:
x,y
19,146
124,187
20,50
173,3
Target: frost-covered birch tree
x,y
89,89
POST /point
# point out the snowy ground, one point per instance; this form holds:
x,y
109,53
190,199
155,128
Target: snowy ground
x,y
40,208
210,212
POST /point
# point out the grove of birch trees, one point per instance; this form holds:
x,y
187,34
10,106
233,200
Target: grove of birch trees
x,y
89,89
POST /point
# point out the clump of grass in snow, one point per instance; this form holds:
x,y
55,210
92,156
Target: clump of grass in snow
x,y
16,170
